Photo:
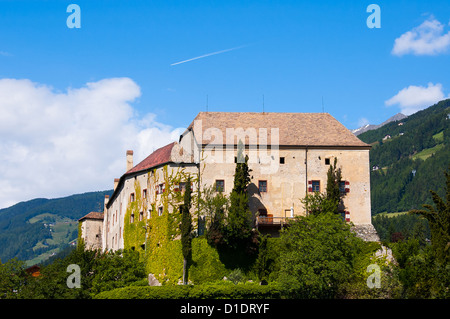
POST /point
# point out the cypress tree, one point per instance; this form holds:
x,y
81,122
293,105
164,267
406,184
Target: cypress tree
x,y
186,228
239,215
334,178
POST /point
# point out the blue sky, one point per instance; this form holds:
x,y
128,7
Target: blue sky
x,y
293,52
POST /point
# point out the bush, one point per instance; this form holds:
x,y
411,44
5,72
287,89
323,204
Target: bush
x,y
207,291
318,255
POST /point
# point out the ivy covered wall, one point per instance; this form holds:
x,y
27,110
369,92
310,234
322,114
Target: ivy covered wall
x,y
156,235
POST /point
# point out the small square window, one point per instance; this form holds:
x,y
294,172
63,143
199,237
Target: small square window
x,y
327,161
281,160
262,185
220,185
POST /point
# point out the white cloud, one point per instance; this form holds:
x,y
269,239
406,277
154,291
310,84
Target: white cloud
x,y
426,39
415,98
59,143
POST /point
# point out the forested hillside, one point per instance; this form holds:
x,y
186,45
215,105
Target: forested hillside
x,y
408,159
36,229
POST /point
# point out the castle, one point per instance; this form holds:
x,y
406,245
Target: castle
x,y
289,155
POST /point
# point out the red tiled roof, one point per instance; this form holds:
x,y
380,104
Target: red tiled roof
x,y
92,215
158,157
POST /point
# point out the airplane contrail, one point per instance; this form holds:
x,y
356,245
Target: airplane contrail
x,y
209,54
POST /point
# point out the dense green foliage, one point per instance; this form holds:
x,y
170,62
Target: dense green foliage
x,y
318,255
438,217
412,161
423,267
98,272
402,227
214,206
225,290
19,237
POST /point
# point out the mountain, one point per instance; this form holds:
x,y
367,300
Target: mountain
x,y
369,127
408,159
34,230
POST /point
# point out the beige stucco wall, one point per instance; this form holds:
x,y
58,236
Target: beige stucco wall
x,y
286,183
91,233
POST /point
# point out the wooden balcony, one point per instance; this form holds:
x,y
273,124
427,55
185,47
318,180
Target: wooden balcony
x,y
270,224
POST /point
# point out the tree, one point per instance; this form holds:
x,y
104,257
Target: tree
x,y
333,191
318,255
318,203
116,270
186,229
331,200
439,221
13,278
214,206
239,220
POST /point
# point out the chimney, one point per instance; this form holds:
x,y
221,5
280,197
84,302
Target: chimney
x,y
116,182
129,160
106,203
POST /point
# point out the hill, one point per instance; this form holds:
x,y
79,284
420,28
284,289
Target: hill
x,y
408,159
37,229
369,127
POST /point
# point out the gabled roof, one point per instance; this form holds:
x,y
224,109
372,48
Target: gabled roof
x,y
295,129
158,157
92,215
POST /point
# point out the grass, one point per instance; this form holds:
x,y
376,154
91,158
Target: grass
x,y
426,153
393,214
439,137
61,229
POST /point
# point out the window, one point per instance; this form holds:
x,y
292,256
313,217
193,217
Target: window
x,y
132,197
220,185
132,218
281,160
141,216
342,186
327,161
315,185
160,188
160,211
182,186
262,186
144,193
